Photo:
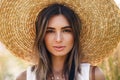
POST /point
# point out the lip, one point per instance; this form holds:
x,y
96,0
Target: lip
x,y
59,48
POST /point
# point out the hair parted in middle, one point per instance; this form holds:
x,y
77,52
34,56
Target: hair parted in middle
x,y
44,67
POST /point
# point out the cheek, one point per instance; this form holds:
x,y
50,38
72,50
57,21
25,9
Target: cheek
x,y
48,40
69,39
69,42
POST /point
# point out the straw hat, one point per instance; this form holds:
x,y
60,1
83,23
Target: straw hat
x,y
100,33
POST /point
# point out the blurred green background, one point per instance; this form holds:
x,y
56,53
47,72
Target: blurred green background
x,y
10,66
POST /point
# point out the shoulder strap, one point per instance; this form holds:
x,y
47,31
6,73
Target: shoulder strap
x,y
93,72
30,74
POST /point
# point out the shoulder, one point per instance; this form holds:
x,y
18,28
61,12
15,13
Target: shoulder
x,y
27,73
97,73
22,76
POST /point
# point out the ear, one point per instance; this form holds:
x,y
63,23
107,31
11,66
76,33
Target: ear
x,y
22,76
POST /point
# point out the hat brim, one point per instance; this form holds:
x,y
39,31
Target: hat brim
x,y
100,32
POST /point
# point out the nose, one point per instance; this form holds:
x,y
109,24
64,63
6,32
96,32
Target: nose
x,y
58,37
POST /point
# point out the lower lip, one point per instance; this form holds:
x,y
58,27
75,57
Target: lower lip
x,y
59,48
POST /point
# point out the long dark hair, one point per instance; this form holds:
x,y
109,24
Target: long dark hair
x,y
72,62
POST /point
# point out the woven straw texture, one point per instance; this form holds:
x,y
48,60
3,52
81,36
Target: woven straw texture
x,y
100,33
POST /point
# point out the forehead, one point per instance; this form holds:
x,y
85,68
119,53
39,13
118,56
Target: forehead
x,y
58,20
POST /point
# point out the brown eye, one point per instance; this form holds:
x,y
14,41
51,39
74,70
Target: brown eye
x,y
67,30
49,31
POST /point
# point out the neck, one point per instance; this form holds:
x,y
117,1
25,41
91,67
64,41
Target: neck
x,y
58,63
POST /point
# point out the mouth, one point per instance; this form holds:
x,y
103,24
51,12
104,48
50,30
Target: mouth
x,y
59,48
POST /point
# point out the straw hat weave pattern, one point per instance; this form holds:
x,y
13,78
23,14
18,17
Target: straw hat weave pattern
x,y
100,32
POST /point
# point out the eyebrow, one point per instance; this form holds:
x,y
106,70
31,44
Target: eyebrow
x,y
62,27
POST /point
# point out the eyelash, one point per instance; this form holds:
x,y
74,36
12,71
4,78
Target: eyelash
x,y
52,31
67,31
49,31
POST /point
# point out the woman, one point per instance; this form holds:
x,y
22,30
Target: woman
x,y
57,43
64,45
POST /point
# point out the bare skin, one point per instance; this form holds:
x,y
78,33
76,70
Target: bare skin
x,y
56,41
58,63
98,75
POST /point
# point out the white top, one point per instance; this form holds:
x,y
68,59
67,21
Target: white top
x,y
85,68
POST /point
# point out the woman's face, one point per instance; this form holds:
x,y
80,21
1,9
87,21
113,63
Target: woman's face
x,y
59,38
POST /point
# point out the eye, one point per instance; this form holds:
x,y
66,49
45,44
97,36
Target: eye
x,y
67,30
50,31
